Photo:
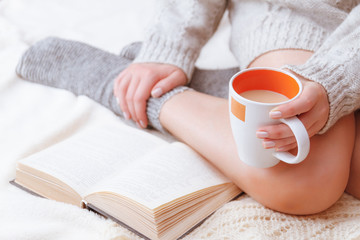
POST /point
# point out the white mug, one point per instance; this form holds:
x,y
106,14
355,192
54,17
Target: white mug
x,y
247,116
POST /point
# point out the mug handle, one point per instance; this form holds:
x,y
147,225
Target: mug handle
x,y
302,139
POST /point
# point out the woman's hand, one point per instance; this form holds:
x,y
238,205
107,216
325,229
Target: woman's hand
x,y
139,81
311,107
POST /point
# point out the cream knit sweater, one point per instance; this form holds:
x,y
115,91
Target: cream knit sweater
x,y
330,28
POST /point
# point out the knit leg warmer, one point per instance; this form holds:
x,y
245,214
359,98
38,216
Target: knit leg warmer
x,y
85,70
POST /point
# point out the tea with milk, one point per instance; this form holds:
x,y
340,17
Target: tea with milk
x,y
264,96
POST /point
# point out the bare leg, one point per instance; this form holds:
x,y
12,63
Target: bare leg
x,y
202,122
353,186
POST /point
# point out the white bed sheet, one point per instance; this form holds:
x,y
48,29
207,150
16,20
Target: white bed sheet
x,y
33,117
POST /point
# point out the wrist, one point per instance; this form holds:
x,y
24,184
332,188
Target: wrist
x,y
156,116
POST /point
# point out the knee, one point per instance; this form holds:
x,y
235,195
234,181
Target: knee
x,y
312,185
307,197
294,193
353,185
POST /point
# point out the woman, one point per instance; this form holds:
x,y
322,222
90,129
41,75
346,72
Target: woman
x,y
317,40
271,34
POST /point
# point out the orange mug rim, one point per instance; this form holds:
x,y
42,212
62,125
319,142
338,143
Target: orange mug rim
x,y
237,95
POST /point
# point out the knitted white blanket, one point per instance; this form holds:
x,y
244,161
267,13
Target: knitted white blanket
x,y
34,117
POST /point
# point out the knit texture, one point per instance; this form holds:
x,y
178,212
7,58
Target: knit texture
x,y
263,27
258,222
244,218
336,67
155,104
74,66
83,70
86,70
183,27
177,33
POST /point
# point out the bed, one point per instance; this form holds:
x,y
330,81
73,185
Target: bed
x,y
34,117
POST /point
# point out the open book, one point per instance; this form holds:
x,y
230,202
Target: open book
x,y
158,189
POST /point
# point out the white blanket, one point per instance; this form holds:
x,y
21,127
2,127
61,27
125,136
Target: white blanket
x,y
33,117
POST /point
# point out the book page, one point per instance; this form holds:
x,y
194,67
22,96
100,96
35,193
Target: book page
x,y
88,157
168,173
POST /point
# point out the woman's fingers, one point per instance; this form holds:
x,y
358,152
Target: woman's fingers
x,y
175,79
129,98
140,98
285,143
286,148
312,108
121,85
117,82
135,84
304,103
121,94
270,143
280,131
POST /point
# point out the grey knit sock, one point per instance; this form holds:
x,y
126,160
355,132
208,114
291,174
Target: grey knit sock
x,y
155,104
74,66
85,70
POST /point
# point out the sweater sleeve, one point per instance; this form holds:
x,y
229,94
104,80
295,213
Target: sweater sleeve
x,y
336,66
181,29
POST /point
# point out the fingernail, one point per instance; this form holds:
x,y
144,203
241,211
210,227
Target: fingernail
x,y
157,92
268,144
142,124
117,100
262,134
280,149
126,115
275,114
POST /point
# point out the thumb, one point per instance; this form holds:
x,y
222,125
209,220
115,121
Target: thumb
x,y
164,85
